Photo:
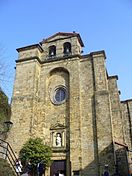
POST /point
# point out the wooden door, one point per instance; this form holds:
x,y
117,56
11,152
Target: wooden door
x,y
58,166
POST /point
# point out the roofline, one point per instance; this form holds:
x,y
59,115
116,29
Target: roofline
x,y
30,47
98,52
126,101
113,77
71,34
121,144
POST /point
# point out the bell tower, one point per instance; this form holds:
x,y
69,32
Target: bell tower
x,y
62,45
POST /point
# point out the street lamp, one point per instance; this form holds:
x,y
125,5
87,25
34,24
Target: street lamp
x,y
7,127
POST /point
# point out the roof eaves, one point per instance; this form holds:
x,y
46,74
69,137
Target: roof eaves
x,y
30,47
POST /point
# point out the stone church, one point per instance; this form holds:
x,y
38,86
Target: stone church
x,y
69,100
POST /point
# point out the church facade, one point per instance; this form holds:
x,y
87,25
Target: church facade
x,y
69,100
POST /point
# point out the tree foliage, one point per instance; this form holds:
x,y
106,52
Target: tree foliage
x,y
5,168
35,151
5,110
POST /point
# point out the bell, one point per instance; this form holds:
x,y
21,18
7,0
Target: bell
x,y
52,53
67,50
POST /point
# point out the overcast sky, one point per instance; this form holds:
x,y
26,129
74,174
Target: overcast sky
x,y
102,24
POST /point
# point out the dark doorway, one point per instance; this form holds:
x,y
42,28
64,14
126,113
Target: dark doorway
x,y
58,166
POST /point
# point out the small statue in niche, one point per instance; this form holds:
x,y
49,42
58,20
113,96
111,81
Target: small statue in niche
x,y
58,140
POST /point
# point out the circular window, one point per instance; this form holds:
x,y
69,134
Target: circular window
x,y
60,95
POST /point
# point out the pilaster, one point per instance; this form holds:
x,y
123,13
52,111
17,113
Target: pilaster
x,y
104,140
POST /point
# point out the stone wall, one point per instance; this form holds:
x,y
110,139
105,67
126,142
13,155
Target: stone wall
x,y
127,128
87,119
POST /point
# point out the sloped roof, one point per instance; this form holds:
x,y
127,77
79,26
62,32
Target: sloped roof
x,y
67,34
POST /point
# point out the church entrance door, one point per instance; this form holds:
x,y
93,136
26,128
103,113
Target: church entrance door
x,y
58,166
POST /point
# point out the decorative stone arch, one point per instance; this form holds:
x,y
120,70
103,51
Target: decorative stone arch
x,y
58,81
58,69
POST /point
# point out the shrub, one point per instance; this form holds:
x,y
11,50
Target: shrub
x,y
35,151
5,110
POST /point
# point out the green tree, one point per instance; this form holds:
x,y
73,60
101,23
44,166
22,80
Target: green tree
x,y
35,151
5,168
5,109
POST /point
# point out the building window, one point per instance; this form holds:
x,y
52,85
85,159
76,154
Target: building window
x,y
52,51
67,48
60,95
